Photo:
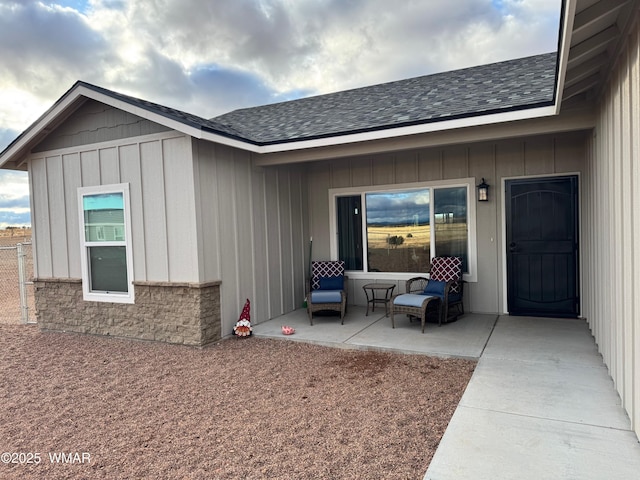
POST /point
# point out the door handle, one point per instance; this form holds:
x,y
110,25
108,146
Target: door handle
x,y
512,247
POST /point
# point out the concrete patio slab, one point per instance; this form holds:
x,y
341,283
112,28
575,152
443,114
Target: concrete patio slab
x,y
465,338
326,329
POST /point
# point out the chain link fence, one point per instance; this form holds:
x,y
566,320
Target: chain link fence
x,y
17,303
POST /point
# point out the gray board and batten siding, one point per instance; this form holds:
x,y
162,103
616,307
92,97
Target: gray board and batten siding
x,y
159,172
523,157
253,222
206,212
611,226
99,151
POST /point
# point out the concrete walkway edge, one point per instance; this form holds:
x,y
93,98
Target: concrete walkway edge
x,y
540,405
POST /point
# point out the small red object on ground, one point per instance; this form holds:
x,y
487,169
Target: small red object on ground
x,y
286,330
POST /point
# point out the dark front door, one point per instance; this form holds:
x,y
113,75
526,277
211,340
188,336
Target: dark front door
x,y
542,247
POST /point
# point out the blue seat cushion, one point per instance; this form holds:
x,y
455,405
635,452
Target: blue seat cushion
x,y
411,299
455,297
326,296
435,287
331,283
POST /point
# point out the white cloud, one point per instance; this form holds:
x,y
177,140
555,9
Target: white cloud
x,y
18,106
212,57
12,187
14,199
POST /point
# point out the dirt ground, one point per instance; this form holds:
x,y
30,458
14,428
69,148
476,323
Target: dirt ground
x,y
240,409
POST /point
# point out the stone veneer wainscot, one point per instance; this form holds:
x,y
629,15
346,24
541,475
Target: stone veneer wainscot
x,y
184,313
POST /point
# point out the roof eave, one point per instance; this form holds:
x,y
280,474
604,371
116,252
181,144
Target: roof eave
x,y
564,47
536,111
13,157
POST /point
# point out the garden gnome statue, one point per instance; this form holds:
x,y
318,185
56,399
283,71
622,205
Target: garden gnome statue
x,y
243,325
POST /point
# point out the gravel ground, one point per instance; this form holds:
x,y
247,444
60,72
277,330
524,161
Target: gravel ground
x,y
240,409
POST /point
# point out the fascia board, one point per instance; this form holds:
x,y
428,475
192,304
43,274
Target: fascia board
x,y
564,46
570,120
230,142
140,112
412,130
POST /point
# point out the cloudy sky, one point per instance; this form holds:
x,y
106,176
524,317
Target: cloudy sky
x,y
208,57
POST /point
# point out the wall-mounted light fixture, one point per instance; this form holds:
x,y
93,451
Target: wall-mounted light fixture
x,y
483,191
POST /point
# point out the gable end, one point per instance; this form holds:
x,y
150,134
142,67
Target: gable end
x,y
95,122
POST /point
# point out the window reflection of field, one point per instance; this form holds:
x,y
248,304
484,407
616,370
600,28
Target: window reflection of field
x,y
413,236
413,253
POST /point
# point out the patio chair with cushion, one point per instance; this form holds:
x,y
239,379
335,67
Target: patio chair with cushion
x,y
327,288
449,270
423,297
444,283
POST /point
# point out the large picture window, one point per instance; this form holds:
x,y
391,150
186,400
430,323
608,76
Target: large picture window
x,y
106,247
399,230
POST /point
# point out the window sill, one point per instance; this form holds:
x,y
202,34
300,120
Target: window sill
x,y
108,297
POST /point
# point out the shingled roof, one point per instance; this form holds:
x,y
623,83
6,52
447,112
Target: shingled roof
x,y
494,88
501,87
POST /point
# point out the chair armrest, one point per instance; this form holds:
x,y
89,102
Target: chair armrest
x,y
447,288
416,284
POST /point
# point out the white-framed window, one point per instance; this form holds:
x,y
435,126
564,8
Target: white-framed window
x,y
105,241
394,230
